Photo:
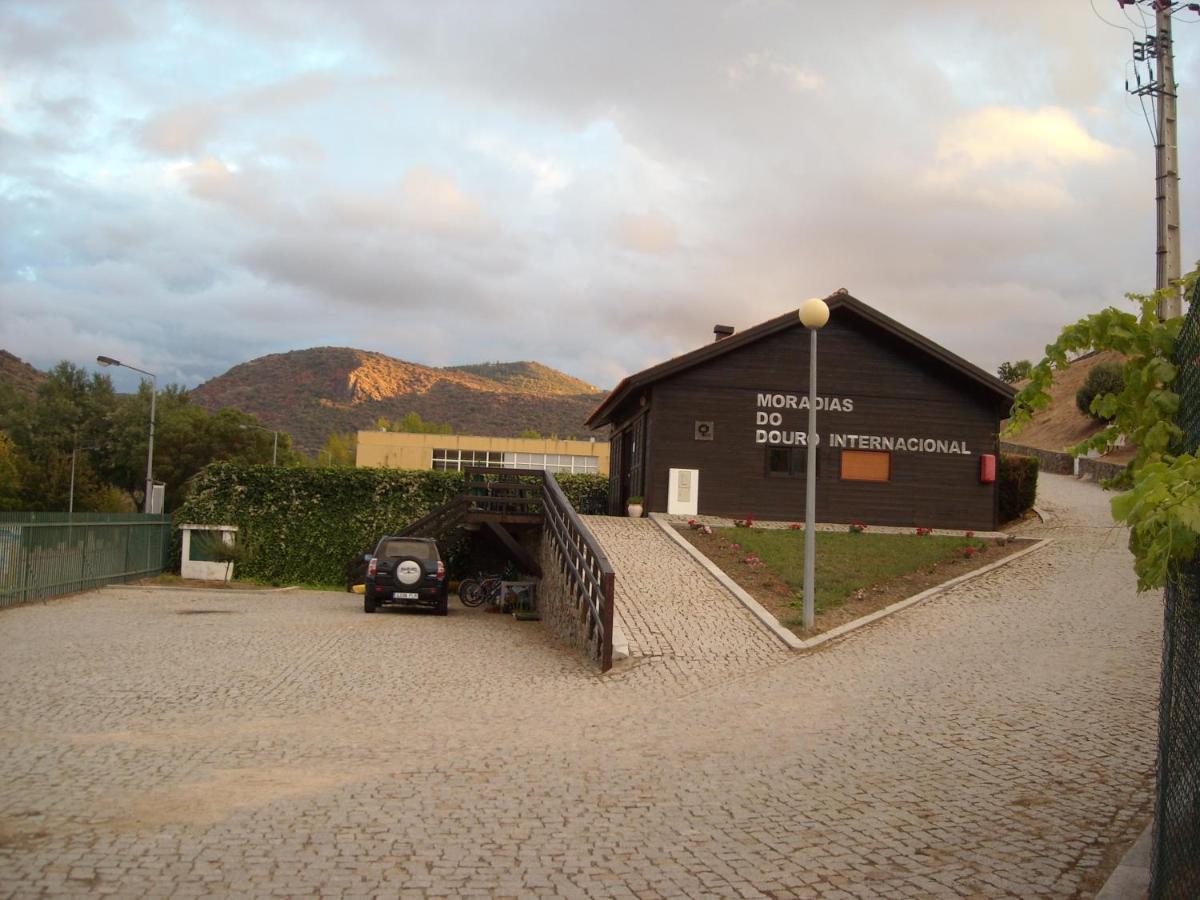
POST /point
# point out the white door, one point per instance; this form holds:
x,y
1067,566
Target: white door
x,y
683,492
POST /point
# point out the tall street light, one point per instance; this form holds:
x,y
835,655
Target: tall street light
x,y
109,361
813,316
275,448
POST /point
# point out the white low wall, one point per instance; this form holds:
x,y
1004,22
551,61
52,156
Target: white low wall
x,y
205,570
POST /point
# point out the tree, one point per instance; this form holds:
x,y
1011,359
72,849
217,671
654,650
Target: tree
x,y
68,413
74,412
339,449
1012,372
10,476
414,424
1162,503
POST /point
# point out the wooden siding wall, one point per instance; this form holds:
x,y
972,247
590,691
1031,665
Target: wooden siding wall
x,y
896,392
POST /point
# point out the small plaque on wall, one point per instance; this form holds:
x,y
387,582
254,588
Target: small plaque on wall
x,y
704,431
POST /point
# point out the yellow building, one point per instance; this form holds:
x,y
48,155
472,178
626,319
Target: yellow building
x,y
398,450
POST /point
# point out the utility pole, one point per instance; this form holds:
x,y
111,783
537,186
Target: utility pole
x,y
1166,171
1162,94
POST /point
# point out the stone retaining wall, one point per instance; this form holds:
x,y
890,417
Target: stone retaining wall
x,y
557,604
1065,464
1048,460
1098,469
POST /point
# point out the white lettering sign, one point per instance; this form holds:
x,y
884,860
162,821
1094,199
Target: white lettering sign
x,y
769,428
865,442
794,401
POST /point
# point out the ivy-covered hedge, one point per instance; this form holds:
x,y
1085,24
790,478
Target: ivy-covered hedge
x,y
302,525
1017,485
587,493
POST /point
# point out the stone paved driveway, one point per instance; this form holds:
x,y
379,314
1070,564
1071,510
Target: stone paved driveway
x,y
994,742
678,620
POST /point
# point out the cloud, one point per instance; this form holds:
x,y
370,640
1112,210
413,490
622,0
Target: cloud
x,y
434,202
650,232
1014,158
797,78
1000,136
189,127
35,33
590,185
547,174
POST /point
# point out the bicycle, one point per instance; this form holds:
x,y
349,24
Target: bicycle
x,y
484,588
474,591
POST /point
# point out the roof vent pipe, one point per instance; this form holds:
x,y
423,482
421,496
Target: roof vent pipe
x,y
721,331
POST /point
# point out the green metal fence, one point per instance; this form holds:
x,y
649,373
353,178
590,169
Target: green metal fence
x,y
1175,852
47,554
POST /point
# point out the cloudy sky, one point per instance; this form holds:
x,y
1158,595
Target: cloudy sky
x,y
185,186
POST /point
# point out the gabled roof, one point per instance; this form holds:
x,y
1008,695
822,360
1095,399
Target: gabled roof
x,y
839,300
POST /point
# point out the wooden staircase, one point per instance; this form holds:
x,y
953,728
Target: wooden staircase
x,y
509,501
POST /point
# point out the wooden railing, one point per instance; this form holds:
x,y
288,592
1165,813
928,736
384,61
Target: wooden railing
x,y
441,521
505,492
589,576
508,494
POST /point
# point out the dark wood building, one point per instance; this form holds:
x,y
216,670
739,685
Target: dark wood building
x,y
908,432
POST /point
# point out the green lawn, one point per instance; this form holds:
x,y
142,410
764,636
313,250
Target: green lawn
x,y
845,562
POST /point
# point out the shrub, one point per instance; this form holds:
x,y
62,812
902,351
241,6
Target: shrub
x,y
1016,485
587,493
1106,378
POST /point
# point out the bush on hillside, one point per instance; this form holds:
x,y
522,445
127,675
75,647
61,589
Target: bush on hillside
x,y
1105,378
1016,485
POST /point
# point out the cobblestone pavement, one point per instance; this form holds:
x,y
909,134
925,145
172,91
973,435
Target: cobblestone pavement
x,y
674,614
993,742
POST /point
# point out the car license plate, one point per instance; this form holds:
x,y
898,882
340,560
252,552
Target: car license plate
x,y
405,595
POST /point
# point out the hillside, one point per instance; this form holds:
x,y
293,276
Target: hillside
x,y
1061,424
19,375
528,377
310,393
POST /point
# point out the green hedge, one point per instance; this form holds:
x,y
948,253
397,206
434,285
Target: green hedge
x,y
587,493
1017,484
301,525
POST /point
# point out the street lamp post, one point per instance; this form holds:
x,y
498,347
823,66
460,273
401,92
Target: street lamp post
x,y
109,361
275,446
813,316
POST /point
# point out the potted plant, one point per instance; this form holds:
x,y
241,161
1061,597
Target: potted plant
x,y
633,506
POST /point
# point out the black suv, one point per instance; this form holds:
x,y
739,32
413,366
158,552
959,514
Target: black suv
x,y
406,571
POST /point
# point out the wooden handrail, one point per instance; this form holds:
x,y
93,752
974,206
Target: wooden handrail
x,y
588,570
590,577
441,520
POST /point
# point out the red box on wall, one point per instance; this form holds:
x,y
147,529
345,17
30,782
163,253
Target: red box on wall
x,y
987,468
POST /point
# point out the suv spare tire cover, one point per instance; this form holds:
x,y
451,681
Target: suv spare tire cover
x,y
408,571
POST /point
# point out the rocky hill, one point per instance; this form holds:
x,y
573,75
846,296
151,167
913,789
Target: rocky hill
x,y
311,393
528,377
19,375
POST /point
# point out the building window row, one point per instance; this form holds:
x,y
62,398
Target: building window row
x,y
457,460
